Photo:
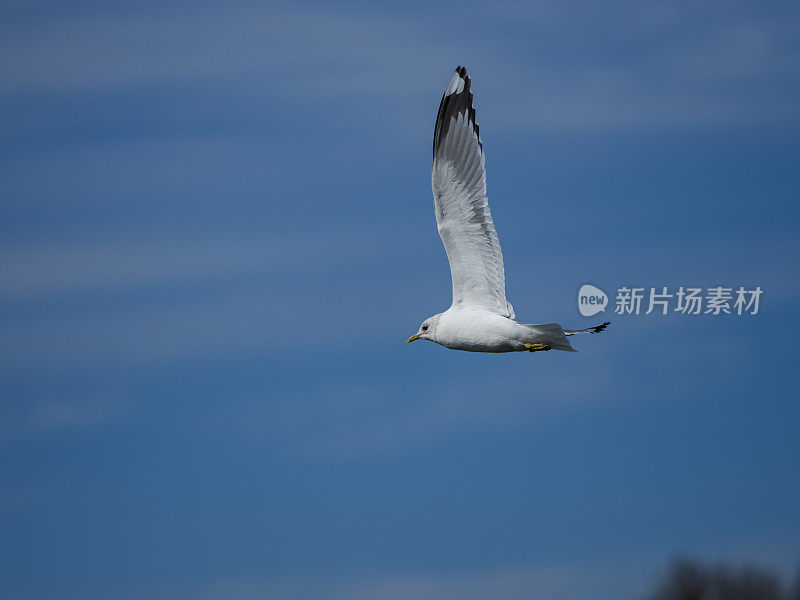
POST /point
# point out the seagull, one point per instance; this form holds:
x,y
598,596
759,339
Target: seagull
x,y
480,318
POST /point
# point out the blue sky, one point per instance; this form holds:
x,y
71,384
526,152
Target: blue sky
x,y
217,234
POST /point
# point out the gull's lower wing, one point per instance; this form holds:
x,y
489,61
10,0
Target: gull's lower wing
x,y
462,210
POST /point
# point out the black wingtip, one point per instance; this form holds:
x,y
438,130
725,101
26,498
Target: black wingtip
x,y
451,105
600,328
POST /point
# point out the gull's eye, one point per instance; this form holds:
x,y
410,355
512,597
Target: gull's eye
x,y
424,328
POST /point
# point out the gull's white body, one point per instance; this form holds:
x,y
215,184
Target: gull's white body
x,y
480,318
479,330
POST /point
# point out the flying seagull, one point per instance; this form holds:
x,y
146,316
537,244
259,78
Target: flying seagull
x,y
480,319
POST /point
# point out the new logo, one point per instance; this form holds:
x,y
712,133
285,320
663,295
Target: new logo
x,y
591,300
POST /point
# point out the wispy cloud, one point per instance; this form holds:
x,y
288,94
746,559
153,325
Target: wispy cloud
x,y
410,412
163,300
689,64
265,45
172,299
53,414
626,575
66,267
552,581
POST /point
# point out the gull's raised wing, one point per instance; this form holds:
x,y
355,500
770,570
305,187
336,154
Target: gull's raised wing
x,y
462,209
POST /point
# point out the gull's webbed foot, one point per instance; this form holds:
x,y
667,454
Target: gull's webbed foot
x,y
537,347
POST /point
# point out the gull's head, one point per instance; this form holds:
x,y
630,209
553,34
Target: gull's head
x,y
427,331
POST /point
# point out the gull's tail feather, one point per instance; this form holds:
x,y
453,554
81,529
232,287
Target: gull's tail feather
x,y
550,334
595,329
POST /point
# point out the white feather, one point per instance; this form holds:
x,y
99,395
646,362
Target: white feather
x,y
464,220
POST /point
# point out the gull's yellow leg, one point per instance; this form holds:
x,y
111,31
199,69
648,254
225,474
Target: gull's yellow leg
x,y
537,347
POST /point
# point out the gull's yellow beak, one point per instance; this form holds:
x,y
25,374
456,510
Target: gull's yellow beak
x,y
416,336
